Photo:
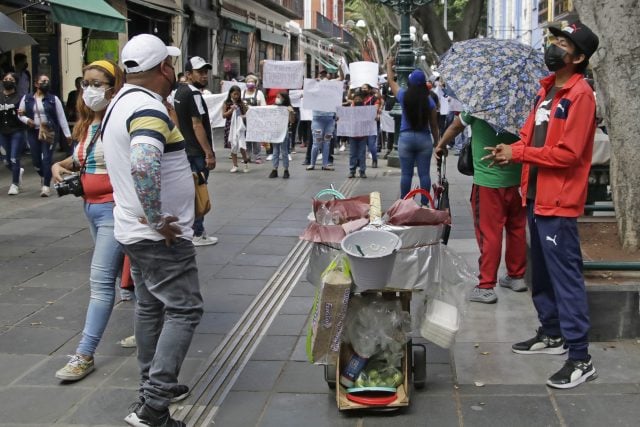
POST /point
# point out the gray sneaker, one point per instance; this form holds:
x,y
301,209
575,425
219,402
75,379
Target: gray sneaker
x,y
487,296
516,285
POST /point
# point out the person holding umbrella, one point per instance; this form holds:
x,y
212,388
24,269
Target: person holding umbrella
x,y
555,149
418,128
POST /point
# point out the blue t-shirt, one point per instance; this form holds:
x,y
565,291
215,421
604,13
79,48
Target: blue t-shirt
x,y
404,123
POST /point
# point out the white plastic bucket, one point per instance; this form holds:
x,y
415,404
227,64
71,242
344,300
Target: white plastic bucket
x,y
371,268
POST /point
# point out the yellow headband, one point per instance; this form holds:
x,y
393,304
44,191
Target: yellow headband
x,y
106,65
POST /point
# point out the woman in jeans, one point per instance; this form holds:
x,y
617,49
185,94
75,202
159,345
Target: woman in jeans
x,y
282,149
11,130
418,128
101,81
38,110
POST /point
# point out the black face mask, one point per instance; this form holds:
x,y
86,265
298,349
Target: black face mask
x,y
44,87
199,85
9,85
553,58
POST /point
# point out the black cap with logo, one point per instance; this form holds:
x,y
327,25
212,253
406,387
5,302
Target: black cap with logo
x,y
580,35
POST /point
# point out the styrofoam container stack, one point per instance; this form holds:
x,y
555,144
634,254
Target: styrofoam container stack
x,y
440,324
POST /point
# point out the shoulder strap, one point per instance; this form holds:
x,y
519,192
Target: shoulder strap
x,y
106,119
94,138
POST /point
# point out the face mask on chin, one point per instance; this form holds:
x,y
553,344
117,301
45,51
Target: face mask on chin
x,y
94,98
554,58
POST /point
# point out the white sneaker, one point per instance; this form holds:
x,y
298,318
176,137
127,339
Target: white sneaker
x,y
290,157
20,179
128,342
246,168
204,240
270,157
234,169
342,147
319,156
45,191
13,190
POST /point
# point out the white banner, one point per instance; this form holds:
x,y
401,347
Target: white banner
x,y
387,124
267,124
357,121
323,95
283,74
305,115
226,85
214,105
363,72
296,98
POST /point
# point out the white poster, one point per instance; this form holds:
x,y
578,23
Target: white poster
x,y
387,124
305,114
226,85
363,72
214,106
267,124
283,74
323,95
296,98
357,121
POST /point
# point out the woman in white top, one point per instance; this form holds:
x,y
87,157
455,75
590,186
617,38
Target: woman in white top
x,y
253,97
43,110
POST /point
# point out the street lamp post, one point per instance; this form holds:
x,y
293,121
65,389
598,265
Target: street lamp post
x,y
405,61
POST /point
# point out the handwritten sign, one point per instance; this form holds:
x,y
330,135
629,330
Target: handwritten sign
x,y
357,121
305,114
296,98
387,124
214,106
322,95
267,124
363,72
283,74
226,85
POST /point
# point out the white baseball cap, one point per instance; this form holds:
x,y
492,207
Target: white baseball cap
x,y
145,51
197,63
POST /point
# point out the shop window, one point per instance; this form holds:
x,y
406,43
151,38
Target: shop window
x,y
262,51
277,53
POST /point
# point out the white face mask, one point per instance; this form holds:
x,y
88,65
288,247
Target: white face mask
x,y
94,98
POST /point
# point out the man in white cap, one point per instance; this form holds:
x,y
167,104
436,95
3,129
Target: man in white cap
x,y
154,194
194,124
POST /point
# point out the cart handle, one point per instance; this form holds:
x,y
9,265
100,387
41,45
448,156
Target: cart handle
x,y
422,192
330,192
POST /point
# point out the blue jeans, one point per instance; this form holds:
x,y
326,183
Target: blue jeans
x,y
106,264
13,144
322,128
357,154
372,143
41,156
198,165
168,309
282,148
415,148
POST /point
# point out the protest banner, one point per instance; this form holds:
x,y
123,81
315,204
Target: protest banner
x,y
387,124
357,121
306,115
214,106
363,72
267,124
226,85
322,95
296,98
283,74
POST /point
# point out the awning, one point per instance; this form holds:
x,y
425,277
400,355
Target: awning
x,y
165,6
239,26
327,66
269,37
96,15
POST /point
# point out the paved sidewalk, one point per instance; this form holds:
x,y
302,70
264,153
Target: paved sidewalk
x,y
45,252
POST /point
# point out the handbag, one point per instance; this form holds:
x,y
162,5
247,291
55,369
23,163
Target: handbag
x,y
202,200
465,160
45,132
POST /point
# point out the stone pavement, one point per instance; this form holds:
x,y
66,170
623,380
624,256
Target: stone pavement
x,y
45,252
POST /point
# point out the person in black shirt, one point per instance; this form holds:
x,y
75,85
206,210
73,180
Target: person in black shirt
x,y
193,121
11,130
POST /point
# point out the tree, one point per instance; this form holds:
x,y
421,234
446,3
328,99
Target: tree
x,y
617,75
381,25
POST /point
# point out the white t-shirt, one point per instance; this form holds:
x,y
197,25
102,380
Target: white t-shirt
x,y
142,119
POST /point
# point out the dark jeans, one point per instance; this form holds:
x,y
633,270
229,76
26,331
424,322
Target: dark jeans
x,y
168,309
13,144
358,154
198,165
41,156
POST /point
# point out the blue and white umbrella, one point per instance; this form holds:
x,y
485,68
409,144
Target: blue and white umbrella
x,y
496,80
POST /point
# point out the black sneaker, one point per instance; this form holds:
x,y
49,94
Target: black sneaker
x,y
540,344
363,175
374,164
180,392
274,173
573,373
286,175
146,416
352,174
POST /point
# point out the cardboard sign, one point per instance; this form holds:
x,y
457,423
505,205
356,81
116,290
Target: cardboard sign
x,y
226,85
283,74
322,95
357,121
387,124
214,105
267,124
296,98
363,72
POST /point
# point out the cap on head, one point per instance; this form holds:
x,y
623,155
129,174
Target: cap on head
x,y
580,35
197,63
145,51
417,78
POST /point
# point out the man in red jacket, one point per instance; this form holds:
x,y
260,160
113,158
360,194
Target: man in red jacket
x,y
555,150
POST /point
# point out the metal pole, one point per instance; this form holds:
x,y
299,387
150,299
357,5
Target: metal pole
x,y
445,13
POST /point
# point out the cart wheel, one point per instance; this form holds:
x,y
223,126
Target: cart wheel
x,y
419,366
330,376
